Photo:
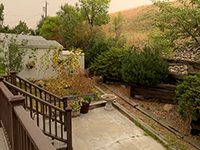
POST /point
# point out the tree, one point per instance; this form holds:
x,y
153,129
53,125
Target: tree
x,y
39,25
75,32
116,25
84,34
50,28
1,18
179,24
95,12
13,55
21,28
6,29
71,20
1,14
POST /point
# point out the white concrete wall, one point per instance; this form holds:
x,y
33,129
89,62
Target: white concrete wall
x,y
38,73
41,73
81,59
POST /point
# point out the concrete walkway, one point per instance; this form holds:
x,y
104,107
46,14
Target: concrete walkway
x,y
109,130
3,144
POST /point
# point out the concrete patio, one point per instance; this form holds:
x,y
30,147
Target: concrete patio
x,y
109,130
104,130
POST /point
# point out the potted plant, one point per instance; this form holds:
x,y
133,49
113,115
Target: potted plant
x,y
30,64
75,108
85,103
188,98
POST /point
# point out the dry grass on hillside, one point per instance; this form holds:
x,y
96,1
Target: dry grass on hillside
x,y
137,23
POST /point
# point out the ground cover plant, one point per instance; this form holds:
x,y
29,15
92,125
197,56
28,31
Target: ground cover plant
x,y
66,84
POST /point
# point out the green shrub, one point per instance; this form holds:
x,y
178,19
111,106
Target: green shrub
x,y
144,68
188,96
109,63
95,51
88,99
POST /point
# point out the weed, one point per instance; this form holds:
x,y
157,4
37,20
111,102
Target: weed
x,y
99,92
69,84
148,108
152,125
145,134
147,118
118,142
142,105
177,144
133,136
150,133
157,101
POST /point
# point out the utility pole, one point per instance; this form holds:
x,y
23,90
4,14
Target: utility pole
x,y
45,10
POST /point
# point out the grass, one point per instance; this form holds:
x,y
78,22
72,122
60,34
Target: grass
x,y
2,72
99,92
147,132
137,23
148,108
171,138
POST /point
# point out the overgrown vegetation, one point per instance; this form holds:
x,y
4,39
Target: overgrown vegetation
x,y
66,84
66,77
109,62
178,25
188,97
144,68
13,55
95,51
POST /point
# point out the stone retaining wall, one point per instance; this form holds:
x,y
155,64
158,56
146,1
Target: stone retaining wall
x,y
183,61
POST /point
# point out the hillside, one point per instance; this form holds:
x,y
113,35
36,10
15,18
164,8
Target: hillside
x,y
137,23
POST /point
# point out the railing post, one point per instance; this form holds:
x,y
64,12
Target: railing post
x,y
68,125
13,81
16,101
64,99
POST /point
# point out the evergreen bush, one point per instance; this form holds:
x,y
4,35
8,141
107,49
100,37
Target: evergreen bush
x,y
144,68
188,96
95,51
109,62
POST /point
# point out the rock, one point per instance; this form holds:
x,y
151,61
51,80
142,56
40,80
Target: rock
x,y
190,68
139,97
168,107
122,86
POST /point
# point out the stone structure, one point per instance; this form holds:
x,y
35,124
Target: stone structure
x,y
191,54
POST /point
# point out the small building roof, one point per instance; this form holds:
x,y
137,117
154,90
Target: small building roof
x,y
32,41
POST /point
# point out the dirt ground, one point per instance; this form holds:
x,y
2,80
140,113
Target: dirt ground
x,y
171,116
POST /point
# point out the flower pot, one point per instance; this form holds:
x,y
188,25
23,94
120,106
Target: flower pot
x,y
76,113
84,109
29,67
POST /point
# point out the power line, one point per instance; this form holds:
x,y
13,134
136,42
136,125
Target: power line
x,y
21,15
25,19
